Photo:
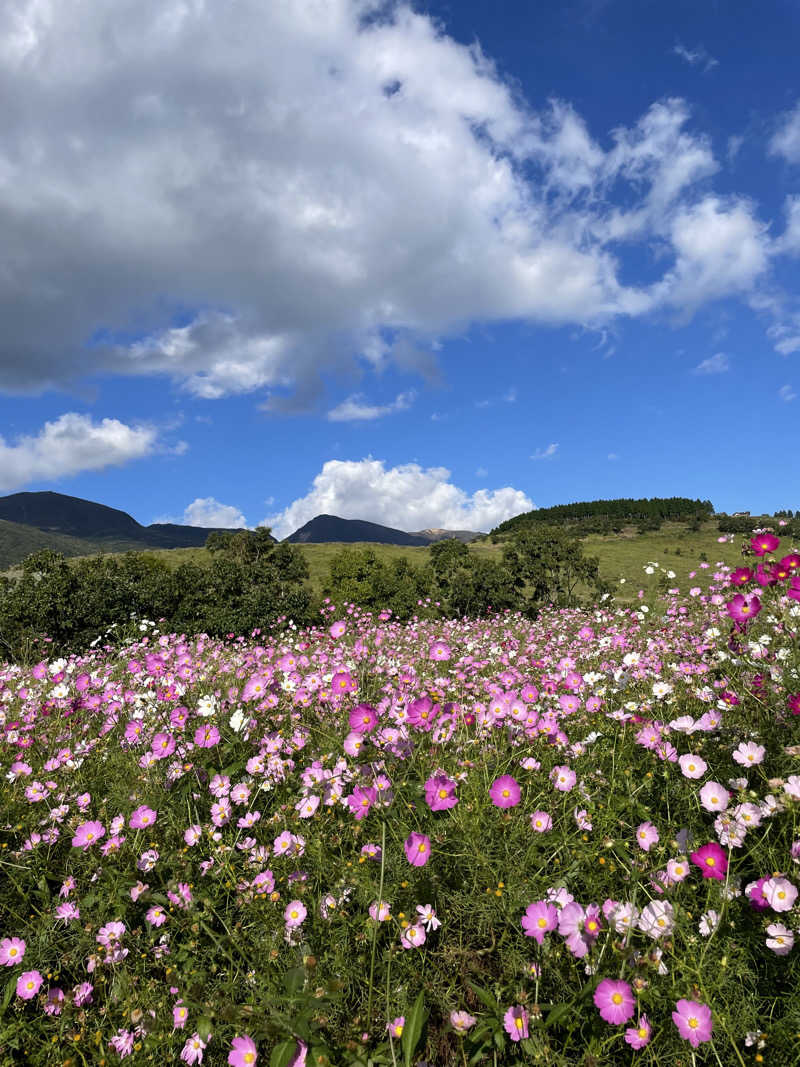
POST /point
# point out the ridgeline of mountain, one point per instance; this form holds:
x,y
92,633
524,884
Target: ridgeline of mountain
x,y
327,528
78,527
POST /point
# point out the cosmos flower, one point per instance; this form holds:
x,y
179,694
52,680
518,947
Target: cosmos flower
x,y
614,1000
505,792
693,1021
417,848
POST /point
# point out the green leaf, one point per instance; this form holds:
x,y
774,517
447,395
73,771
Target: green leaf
x,y
282,1054
485,997
412,1030
204,1028
11,985
294,979
557,1013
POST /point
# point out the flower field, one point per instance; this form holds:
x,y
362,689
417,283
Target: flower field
x,y
565,841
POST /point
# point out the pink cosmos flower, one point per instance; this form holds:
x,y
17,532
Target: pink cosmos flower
x,y
539,919
361,800
780,940
28,984
122,1043
439,650
88,834
693,1021
462,1021
82,994
563,778
337,628
743,609
55,998
646,836
692,766
142,817
505,792
295,914
155,916
614,1000
180,1013
779,893
638,1036
192,1051
515,1022
243,1052
363,719
417,849
395,1027
749,754
440,793
12,949
206,736
711,860
342,683
413,936
764,543
714,797
541,822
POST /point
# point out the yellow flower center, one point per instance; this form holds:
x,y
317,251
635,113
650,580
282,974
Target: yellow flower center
x,y
710,861
642,1033
693,1023
616,998
519,1023
443,793
542,923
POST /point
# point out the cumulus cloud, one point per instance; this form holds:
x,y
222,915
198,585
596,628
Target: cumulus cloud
x,y
716,364
545,453
786,139
206,511
69,445
787,393
356,409
407,497
247,204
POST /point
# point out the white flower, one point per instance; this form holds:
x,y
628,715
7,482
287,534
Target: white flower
x,y
657,919
709,921
780,940
237,720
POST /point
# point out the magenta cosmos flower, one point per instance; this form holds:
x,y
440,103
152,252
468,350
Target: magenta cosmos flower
x,y
693,1021
504,791
12,949
515,1022
439,650
87,834
440,793
417,848
711,860
614,1000
764,543
363,719
243,1052
638,1036
539,919
743,608
206,736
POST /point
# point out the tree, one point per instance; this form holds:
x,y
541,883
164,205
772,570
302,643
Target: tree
x,y
548,566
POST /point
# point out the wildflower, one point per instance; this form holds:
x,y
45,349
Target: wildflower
x,y
515,1022
28,984
82,994
563,778
743,609
439,650
692,766
192,1051
657,919
12,949
749,754
638,1036
539,919
243,1052
709,921
711,860
417,849
780,940
462,1021
614,1000
122,1043
541,822
779,893
180,1013
693,1021
395,1027
428,916
764,544
646,836
155,916
338,628
295,914
714,797
413,936
87,834
505,792
440,793
363,719
142,817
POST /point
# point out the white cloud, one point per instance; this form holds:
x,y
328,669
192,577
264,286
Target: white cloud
x,y
613,456
206,511
545,453
716,364
789,241
71,444
318,186
786,139
696,57
355,409
407,497
787,393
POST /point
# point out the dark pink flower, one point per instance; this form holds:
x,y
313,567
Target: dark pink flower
x,y
504,791
693,1021
744,609
417,848
614,1000
539,919
515,1022
764,543
711,860
440,793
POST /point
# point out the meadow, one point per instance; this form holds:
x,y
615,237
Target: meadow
x,y
572,840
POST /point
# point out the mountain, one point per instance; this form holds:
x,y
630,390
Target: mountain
x,y
326,528
76,527
445,535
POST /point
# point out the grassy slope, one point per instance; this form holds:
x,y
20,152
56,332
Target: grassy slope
x,y
621,555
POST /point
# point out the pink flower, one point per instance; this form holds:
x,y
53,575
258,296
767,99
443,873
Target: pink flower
x,y
646,836
515,1022
461,1021
743,609
295,914
539,919
28,984
638,1036
180,1013
614,1000
417,849
764,543
192,1051
155,915
711,860
87,834
563,778
142,817
243,1052
693,1021
413,936
749,754
361,800
780,940
12,949
505,792
363,719
541,822
82,994
692,766
206,736
714,797
338,628
779,893
440,793
439,650
395,1027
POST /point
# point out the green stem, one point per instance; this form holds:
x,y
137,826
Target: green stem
x,y
377,924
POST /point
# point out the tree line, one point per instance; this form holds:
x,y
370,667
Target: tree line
x,y
253,582
606,516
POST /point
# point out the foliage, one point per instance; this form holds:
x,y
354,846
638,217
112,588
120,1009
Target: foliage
x,y
548,564
614,512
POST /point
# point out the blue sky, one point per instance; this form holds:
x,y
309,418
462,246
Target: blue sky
x,y
426,266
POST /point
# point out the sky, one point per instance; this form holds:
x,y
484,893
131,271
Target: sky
x,y
429,265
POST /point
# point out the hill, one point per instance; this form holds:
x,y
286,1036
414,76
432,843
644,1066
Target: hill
x,y
434,535
325,528
30,522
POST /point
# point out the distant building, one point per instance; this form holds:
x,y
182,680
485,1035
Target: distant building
x,y
741,515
